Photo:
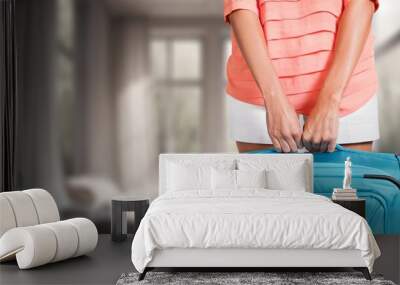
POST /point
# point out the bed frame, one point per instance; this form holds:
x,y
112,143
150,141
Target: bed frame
x,y
248,259
242,259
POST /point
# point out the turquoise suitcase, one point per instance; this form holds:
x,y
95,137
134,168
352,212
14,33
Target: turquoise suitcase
x,y
376,176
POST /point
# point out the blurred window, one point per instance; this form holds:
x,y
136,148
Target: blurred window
x,y
186,59
176,67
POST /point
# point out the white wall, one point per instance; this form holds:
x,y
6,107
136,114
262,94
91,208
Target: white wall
x,y
95,102
386,27
135,110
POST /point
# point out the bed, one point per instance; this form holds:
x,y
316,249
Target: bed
x,y
247,210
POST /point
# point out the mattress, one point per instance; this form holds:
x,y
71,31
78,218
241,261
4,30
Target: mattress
x,y
252,219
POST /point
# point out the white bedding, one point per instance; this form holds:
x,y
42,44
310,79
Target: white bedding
x,y
251,218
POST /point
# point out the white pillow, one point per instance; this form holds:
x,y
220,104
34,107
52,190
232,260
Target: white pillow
x,y
181,177
223,179
251,178
282,174
187,173
237,179
293,180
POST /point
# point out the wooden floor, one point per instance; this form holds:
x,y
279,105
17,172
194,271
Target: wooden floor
x,y
102,266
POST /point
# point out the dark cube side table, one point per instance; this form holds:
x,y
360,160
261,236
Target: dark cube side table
x,y
122,204
357,206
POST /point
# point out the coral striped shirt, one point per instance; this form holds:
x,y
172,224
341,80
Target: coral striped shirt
x,y
300,37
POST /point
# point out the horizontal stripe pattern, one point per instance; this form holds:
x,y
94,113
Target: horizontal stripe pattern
x,y
278,10
300,36
307,44
309,83
299,27
296,66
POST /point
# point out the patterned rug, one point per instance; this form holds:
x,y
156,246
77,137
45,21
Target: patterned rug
x,y
244,278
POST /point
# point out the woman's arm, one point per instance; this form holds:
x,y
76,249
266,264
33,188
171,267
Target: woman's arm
x,y
283,124
320,130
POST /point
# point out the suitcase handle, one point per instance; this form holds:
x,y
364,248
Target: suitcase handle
x,y
383,177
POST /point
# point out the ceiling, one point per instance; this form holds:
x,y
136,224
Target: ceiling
x,y
167,8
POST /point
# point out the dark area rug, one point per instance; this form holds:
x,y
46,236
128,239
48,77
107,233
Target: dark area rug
x,y
232,278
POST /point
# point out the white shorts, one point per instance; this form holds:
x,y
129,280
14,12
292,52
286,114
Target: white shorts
x,y
247,123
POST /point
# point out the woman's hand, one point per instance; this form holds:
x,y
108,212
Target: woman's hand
x,y
283,125
321,128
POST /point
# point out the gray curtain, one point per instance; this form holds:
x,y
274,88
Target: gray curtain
x,y
38,161
8,89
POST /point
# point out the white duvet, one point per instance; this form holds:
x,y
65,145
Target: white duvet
x,y
251,218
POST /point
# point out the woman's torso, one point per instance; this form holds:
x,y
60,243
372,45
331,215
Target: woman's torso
x,y
300,37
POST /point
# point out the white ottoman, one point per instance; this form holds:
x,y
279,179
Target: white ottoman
x,y
31,232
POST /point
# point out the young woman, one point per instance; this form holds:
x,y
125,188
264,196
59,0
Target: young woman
x,y
311,58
